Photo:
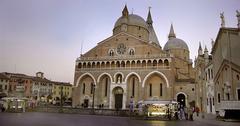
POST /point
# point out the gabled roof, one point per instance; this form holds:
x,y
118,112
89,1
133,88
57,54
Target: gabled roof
x,y
2,76
16,75
123,33
62,83
39,79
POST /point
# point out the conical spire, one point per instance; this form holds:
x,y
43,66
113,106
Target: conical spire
x,y
200,49
149,17
205,50
152,35
171,33
206,56
125,11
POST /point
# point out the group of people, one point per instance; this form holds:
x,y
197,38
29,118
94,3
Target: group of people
x,y
186,113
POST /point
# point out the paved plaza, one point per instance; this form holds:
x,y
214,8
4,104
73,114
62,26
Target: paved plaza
x,y
58,119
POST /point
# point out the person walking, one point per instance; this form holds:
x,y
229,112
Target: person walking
x,y
197,111
140,109
131,105
191,110
182,113
186,112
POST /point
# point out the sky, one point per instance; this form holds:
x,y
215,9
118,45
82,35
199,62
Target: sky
x,y
48,35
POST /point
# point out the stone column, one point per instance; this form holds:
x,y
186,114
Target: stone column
x,y
141,93
124,100
110,97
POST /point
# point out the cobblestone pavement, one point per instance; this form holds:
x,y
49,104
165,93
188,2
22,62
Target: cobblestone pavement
x,y
57,119
211,120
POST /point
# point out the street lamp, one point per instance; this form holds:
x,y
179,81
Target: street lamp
x,y
61,98
93,91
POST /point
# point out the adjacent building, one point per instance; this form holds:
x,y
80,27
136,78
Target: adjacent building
x,y
20,85
204,79
4,85
210,88
42,88
62,90
36,88
226,69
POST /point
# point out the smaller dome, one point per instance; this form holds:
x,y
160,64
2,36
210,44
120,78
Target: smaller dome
x,y
132,19
175,43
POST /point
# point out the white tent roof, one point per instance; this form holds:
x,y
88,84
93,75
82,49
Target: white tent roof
x,y
159,102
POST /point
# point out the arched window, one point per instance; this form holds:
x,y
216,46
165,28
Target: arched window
x,y
88,65
122,64
166,63
219,98
106,86
92,88
211,73
119,78
111,52
131,52
161,89
83,90
133,87
118,64
79,65
154,62
150,90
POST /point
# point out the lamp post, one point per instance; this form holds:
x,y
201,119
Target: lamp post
x,y
93,91
61,98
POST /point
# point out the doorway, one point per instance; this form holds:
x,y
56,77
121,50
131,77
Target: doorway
x,y
181,99
118,101
118,95
85,104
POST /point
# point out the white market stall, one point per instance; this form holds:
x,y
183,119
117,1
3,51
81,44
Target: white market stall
x,y
155,108
15,103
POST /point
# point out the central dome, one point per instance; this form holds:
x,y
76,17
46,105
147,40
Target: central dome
x,y
175,43
132,19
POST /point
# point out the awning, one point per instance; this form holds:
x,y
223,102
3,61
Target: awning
x,y
14,98
164,102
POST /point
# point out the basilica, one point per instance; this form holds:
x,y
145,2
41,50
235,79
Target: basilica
x,y
132,65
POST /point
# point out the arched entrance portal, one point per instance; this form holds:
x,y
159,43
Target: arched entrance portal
x,y
118,96
181,99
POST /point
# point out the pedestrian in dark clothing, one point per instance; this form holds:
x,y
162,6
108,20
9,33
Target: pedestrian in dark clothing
x,y
197,111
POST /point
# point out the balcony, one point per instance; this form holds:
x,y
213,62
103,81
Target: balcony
x,y
229,105
122,57
126,68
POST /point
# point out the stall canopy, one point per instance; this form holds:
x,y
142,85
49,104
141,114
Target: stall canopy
x,y
163,102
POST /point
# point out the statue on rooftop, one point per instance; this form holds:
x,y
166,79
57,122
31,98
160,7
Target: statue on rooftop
x,y
222,19
238,18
